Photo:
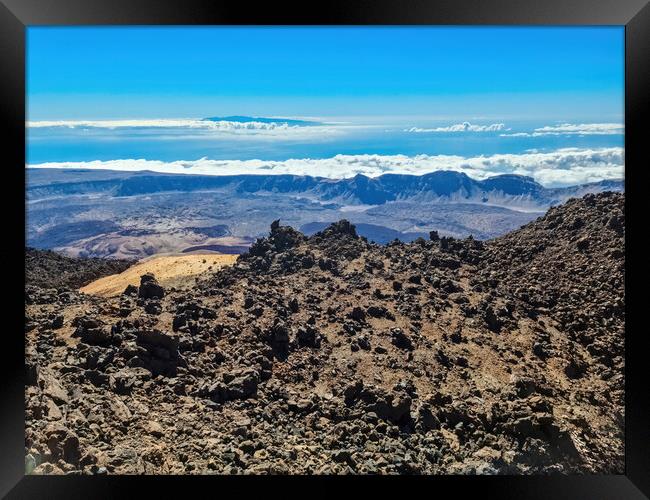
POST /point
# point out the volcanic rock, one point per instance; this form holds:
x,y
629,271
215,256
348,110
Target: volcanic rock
x,y
331,354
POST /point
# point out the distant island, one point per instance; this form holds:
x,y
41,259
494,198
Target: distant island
x,y
260,119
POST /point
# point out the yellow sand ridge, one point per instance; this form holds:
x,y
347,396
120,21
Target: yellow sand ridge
x,y
175,270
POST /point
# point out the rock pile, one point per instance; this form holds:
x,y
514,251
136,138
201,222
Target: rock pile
x,y
48,269
330,354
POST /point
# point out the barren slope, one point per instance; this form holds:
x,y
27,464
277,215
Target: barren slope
x,y
171,271
47,269
332,355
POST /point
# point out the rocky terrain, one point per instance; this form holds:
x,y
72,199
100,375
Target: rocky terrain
x,y
332,355
47,269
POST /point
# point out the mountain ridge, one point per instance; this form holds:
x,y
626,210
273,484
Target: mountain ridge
x,y
509,190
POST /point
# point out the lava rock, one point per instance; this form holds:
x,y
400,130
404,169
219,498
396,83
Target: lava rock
x,y
149,287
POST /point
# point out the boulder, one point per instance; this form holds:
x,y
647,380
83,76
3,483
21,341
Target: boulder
x,y
240,384
149,287
491,320
357,314
52,387
62,443
153,307
393,406
308,336
157,338
92,331
425,419
401,340
125,380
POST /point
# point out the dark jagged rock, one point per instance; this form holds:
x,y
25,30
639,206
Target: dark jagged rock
x,y
392,406
308,336
280,238
149,287
92,331
401,340
241,384
338,229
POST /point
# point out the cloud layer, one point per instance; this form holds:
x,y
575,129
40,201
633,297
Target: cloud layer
x,y
573,129
165,123
562,167
461,127
211,128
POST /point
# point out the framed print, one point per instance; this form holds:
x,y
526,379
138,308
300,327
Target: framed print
x,y
380,242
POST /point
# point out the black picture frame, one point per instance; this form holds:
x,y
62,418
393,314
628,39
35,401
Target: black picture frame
x,y
16,15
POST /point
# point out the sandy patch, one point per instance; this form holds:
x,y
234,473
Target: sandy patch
x,y
169,270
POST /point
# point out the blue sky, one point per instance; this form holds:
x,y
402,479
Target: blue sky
x,y
562,74
537,101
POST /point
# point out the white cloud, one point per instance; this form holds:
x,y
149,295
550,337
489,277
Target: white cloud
x,y
573,129
194,127
164,123
557,168
461,127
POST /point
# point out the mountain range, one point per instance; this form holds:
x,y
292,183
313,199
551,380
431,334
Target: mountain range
x,y
512,191
100,213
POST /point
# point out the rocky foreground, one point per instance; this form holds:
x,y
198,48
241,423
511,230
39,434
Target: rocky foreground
x,y
332,355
